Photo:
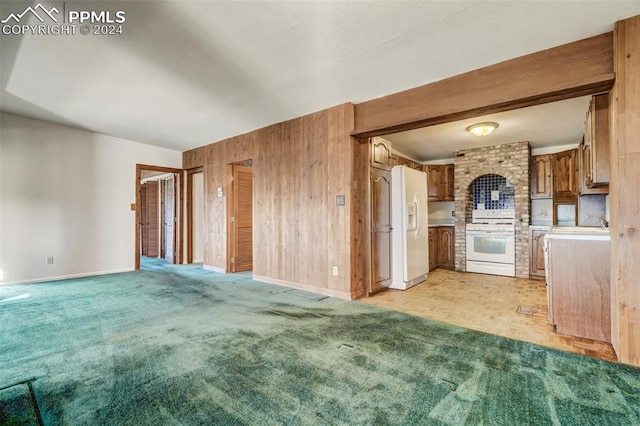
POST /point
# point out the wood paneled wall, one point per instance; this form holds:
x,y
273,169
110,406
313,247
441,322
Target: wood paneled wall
x,y
625,193
579,68
300,166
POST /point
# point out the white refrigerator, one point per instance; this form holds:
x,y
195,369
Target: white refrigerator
x,y
410,234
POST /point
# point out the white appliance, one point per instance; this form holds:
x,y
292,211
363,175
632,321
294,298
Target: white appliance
x,y
410,234
491,242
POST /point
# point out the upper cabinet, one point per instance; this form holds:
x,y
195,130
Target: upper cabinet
x,y
565,174
541,176
433,182
595,155
380,153
440,182
447,182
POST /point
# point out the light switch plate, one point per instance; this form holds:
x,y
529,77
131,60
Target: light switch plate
x,y
340,200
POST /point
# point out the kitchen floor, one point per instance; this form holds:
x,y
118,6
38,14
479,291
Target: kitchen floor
x,y
509,307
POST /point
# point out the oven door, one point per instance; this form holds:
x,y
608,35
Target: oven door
x,y
491,246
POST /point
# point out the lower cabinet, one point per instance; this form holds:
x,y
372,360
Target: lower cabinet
x,y
536,255
578,286
441,247
446,249
433,248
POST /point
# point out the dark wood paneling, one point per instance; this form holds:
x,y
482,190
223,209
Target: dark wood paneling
x,y
574,69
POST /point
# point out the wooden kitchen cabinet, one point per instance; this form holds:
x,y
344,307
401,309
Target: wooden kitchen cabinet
x,y
447,176
433,248
446,247
380,153
594,153
578,286
565,173
442,247
433,182
536,256
440,184
541,176
565,188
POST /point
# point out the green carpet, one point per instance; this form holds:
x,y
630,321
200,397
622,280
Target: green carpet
x,y
179,345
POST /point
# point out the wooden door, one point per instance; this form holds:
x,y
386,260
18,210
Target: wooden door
x,y
541,177
143,220
380,229
241,219
169,219
152,222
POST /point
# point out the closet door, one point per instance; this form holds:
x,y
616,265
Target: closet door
x,y
152,222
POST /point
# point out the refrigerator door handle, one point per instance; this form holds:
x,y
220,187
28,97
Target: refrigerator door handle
x,y
417,203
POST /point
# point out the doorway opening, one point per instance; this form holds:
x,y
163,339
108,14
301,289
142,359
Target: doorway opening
x,y
240,216
158,219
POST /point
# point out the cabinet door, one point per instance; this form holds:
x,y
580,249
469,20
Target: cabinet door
x,y
447,176
380,153
434,182
585,172
536,264
446,247
565,173
541,177
433,248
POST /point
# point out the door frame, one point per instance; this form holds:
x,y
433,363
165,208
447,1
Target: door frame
x,y
178,201
189,212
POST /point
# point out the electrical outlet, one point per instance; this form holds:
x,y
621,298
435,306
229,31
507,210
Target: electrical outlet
x,y
453,213
335,271
543,213
49,260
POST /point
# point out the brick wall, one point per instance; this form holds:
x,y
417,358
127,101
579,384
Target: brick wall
x,y
508,160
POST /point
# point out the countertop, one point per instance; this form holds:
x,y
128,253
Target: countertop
x,y
579,233
438,223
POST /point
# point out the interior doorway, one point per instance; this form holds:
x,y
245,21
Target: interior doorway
x,y
240,217
158,219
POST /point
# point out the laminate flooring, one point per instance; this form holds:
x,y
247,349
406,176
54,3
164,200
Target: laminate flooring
x,y
504,306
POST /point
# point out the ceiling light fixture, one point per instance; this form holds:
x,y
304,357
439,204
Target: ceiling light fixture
x,y
482,129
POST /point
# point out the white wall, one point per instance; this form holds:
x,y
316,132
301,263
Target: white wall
x,y
66,193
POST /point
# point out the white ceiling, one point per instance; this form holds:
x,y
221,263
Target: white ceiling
x,y
188,73
553,124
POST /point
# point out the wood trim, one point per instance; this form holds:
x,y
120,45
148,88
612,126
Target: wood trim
x,y
575,69
139,169
230,229
313,289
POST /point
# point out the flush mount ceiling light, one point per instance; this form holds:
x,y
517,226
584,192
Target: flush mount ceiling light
x,y
482,129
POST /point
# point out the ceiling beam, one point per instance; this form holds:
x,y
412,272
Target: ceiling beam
x,y
580,68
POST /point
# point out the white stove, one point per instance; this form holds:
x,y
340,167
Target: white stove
x,y
491,242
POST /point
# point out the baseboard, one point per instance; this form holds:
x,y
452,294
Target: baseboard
x,y
214,269
311,289
66,277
